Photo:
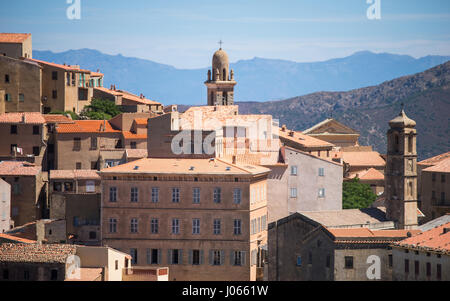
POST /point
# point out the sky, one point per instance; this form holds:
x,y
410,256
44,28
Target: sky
x,y
185,33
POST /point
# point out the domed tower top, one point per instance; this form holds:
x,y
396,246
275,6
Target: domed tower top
x,y
220,66
402,121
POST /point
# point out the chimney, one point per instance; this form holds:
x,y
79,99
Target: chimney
x,y
234,159
112,87
283,128
291,133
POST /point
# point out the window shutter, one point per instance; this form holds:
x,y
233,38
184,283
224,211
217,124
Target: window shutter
x,y
169,257
180,256
222,257
149,256
211,257
190,257
231,258
159,256
201,257
243,258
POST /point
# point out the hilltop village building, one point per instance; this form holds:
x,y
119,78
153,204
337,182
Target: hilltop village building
x,y
203,218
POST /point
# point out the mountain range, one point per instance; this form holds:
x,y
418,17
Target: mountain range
x,y
425,97
258,79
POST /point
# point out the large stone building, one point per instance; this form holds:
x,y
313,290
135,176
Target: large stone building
x,y
401,172
434,187
16,45
5,206
28,190
334,132
204,218
220,83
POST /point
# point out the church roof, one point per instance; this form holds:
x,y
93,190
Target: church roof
x,y
339,128
402,121
221,57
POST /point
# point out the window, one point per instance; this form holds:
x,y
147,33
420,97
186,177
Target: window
x,y
78,165
175,226
442,178
21,97
216,227
253,226
154,226
237,227
217,195
175,195
196,195
92,235
113,194
36,130
155,194
299,261
134,225
5,274
406,266
6,78
54,275
195,257
238,258
254,257
217,257
13,130
428,269
134,256
321,192
133,145
26,275
116,265
112,225
153,256
438,272
321,172
76,144
134,195
349,262
328,261
36,151
175,256
93,143
196,226
293,170
293,192
416,267
54,75
68,79
264,223
237,196
94,165
54,94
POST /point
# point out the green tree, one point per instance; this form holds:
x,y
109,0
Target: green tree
x,y
356,195
73,115
101,109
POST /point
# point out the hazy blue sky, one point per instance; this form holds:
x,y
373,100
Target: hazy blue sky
x,y
185,33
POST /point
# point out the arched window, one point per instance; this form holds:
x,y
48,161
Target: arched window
x,y
224,78
396,143
410,143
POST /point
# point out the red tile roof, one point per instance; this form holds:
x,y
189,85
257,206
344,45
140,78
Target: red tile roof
x,y
74,174
17,168
442,166
64,67
24,118
37,253
129,135
302,139
14,37
370,174
55,118
363,158
434,240
141,121
136,153
434,160
86,126
16,239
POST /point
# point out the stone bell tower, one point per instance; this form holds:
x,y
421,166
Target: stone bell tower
x,y
220,81
401,172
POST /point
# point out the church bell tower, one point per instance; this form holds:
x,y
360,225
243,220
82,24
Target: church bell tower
x,y
401,172
220,82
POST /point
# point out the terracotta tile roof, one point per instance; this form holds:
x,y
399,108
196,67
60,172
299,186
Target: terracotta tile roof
x,y
302,139
17,168
141,121
184,166
96,74
74,174
136,153
363,158
442,166
435,239
112,92
40,253
16,239
129,135
86,126
434,160
88,274
348,217
24,118
129,96
370,174
55,118
14,37
64,67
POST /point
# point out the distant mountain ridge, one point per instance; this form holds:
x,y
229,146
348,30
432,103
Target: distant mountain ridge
x,y
258,79
425,95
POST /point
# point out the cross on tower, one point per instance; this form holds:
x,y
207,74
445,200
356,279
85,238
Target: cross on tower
x,y
220,43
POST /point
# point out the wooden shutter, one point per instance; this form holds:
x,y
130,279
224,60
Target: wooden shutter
x,y
169,256
180,256
222,257
190,257
159,256
243,258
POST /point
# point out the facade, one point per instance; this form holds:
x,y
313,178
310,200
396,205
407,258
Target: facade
x,y
75,198
21,81
5,206
401,172
303,183
28,191
425,257
220,83
16,45
203,218
334,132
302,248
434,188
